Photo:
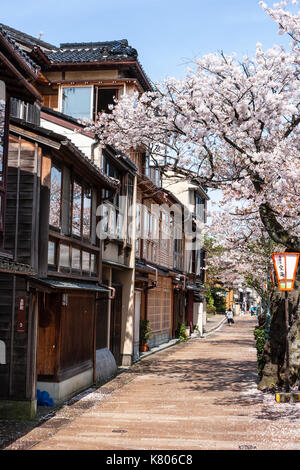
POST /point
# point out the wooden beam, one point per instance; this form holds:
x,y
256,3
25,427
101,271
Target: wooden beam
x,y
34,136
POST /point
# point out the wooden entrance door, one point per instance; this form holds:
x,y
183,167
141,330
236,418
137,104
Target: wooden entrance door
x,y
116,324
48,336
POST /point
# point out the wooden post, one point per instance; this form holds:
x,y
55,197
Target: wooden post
x,y
287,369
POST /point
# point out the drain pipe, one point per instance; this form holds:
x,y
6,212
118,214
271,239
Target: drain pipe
x,y
183,287
184,281
154,283
113,292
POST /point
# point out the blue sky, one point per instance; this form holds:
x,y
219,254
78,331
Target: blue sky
x,y
168,34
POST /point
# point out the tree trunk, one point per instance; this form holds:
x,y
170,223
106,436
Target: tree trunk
x,y
274,372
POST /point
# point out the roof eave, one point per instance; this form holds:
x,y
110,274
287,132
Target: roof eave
x,y
33,94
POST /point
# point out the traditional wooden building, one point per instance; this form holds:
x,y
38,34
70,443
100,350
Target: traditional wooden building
x,y
193,198
54,231
17,72
111,269
50,260
160,277
77,82
54,192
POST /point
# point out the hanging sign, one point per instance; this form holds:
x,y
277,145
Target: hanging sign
x,y
286,267
21,314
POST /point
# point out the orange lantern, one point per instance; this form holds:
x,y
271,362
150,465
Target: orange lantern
x,y
286,267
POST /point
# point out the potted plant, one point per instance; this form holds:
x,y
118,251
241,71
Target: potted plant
x,y
181,332
145,332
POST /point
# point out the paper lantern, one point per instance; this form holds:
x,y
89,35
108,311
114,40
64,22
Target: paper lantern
x,y
286,267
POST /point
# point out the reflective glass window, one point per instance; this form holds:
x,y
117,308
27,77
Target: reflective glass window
x,y
55,197
64,259
75,258
51,252
86,221
76,213
76,102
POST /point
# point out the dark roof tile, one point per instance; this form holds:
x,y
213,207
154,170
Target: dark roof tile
x,y
22,54
92,52
26,39
110,182
7,265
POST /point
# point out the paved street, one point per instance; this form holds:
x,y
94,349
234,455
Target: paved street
x,y
196,395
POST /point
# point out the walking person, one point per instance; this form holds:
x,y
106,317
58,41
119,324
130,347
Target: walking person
x,y
229,315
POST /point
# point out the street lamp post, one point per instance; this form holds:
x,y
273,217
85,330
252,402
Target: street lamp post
x,y
286,267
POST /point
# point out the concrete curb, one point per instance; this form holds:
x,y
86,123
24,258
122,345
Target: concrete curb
x,y
162,347
214,328
172,342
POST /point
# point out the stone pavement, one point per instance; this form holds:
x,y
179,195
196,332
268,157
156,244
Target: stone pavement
x,y
213,323
200,395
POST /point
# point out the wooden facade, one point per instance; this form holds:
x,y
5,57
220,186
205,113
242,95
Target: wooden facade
x,y
56,339
17,237
160,246
64,293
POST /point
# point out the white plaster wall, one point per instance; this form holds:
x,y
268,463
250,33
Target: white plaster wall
x,y
62,391
83,142
198,316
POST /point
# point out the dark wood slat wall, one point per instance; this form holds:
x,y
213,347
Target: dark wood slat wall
x,y
6,291
16,376
22,201
21,239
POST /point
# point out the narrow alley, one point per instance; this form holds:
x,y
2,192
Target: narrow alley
x,y
198,395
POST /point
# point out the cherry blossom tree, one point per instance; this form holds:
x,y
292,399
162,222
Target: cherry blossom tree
x,y
239,252
236,123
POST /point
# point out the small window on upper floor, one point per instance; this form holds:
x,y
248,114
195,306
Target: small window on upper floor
x,y
104,97
87,102
200,207
76,209
25,111
55,197
77,102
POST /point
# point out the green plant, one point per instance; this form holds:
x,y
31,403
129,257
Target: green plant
x,y
215,300
259,335
181,333
145,331
211,309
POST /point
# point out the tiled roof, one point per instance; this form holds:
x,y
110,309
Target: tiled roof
x,y
7,265
34,68
66,284
108,180
92,52
26,39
